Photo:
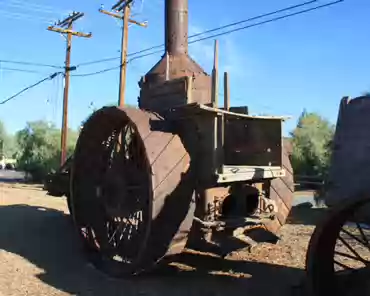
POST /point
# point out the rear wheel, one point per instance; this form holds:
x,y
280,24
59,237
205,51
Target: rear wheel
x,y
338,256
132,190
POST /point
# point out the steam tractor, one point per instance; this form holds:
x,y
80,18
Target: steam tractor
x,y
179,170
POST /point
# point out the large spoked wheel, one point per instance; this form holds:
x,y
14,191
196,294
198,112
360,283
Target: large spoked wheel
x,y
131,191
338,257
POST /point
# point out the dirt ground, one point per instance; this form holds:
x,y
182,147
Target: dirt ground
x,y
39,255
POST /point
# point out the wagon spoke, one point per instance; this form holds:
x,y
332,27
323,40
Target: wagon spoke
x,y
353,236
343,265
357,255
366,241
351,257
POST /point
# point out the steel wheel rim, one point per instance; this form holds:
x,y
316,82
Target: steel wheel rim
x,y
323,253
101,249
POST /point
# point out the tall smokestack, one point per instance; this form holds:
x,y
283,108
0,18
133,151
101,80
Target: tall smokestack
x,y
161,87
176,26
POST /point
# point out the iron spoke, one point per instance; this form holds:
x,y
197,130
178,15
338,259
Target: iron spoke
x,y
114,233
343,265
351,249
350,256
366,241
352,236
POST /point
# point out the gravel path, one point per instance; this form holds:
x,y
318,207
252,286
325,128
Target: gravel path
x,y
39,255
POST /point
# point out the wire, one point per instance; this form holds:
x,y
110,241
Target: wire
x,y
253,18
21,70
50,77
33,5
30,64
97,72
116,67
98,61
267,21
25,16
204,32
217,35
30,8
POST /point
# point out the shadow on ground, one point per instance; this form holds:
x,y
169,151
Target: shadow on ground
x,y
46,238
306,214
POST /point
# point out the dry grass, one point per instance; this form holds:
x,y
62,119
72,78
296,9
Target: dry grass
x,y
39,255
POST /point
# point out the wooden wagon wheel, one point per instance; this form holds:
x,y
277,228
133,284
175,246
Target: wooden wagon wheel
x,y
338,257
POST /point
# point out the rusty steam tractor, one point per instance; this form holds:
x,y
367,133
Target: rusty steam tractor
x,y
145,180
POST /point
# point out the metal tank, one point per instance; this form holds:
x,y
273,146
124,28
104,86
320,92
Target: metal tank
x,y
338,256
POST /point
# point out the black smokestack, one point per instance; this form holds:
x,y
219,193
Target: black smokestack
x,y
176,26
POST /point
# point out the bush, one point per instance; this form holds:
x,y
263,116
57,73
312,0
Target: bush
x,y
39,149
311,141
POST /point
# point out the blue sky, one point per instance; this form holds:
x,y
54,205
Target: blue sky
x,y
307,61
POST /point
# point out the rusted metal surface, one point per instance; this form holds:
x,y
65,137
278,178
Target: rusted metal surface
x,y
227,92
175,62
176,27
215,76
338,255
350,163
258,142
149,179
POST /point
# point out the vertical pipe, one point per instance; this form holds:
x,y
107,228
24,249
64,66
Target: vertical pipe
x,y
65,98
215,77
224,117
226,92
176,26
167,66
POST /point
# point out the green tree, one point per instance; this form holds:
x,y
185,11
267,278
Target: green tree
x,y
8,146
311,141
39,148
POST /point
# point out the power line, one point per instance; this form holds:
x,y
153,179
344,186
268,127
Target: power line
x,y
25,16
20,70
31,64
216,35
268,21
50,77
115,67
33,5
204,32
20,6
253,18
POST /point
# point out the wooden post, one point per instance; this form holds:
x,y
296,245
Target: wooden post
x,y
66,27
123,5
123,68
65,99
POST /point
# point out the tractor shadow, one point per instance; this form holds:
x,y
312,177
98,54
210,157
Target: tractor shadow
x,y
45,237
308,208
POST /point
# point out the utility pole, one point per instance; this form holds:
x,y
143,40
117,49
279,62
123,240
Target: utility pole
x,y
66,28
121,10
